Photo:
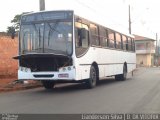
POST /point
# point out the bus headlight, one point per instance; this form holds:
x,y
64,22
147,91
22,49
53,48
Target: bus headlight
x,y
64,69
24,69
69,68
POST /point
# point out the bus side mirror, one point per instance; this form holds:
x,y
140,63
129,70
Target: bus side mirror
x,y
83,32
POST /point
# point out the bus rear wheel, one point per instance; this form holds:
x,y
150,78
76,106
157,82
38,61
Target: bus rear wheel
x,y
122,77
48,84
92,81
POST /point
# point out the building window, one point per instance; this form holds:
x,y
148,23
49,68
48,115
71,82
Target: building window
x,y
140,46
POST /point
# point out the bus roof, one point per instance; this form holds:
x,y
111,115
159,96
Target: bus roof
x,y
92,18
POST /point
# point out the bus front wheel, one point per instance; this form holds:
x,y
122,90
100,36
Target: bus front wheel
x,y
48,84
92,81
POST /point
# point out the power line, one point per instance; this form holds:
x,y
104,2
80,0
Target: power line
x,y
100,13
83,4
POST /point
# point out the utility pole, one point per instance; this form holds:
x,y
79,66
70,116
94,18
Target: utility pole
x,y
129,19
42,5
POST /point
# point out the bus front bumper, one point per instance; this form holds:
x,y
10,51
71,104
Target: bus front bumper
x,y
27,75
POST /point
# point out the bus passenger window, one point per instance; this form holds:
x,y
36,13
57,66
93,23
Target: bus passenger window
x,y
118,41
94,34
129,44
103,37
111,39
81,38
125,44
133,45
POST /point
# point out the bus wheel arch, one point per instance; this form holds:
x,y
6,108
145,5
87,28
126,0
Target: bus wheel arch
x,y
94,76
123,76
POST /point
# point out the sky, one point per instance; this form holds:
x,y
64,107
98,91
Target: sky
x,y
9,8
145,15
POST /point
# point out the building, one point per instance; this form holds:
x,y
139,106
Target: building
x,y
145,51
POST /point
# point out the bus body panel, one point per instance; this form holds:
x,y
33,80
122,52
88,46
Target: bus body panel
x,y
110,62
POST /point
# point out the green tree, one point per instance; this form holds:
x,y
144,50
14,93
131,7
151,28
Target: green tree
x,y
16,21
15,24
11,31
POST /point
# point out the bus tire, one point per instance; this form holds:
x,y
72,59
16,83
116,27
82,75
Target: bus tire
x,y
92,81
48,84
122,77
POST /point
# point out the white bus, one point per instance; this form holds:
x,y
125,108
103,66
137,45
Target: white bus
x,y
59,46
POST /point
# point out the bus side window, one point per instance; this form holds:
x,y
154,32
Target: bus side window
x,y
129,44
94,34
103,37
133,45
125,44
81,38
111,39
118,41
82,35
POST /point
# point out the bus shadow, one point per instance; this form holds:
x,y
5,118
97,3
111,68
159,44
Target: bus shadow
x,y
74,87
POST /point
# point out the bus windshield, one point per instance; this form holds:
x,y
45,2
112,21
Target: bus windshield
x,y
46,37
